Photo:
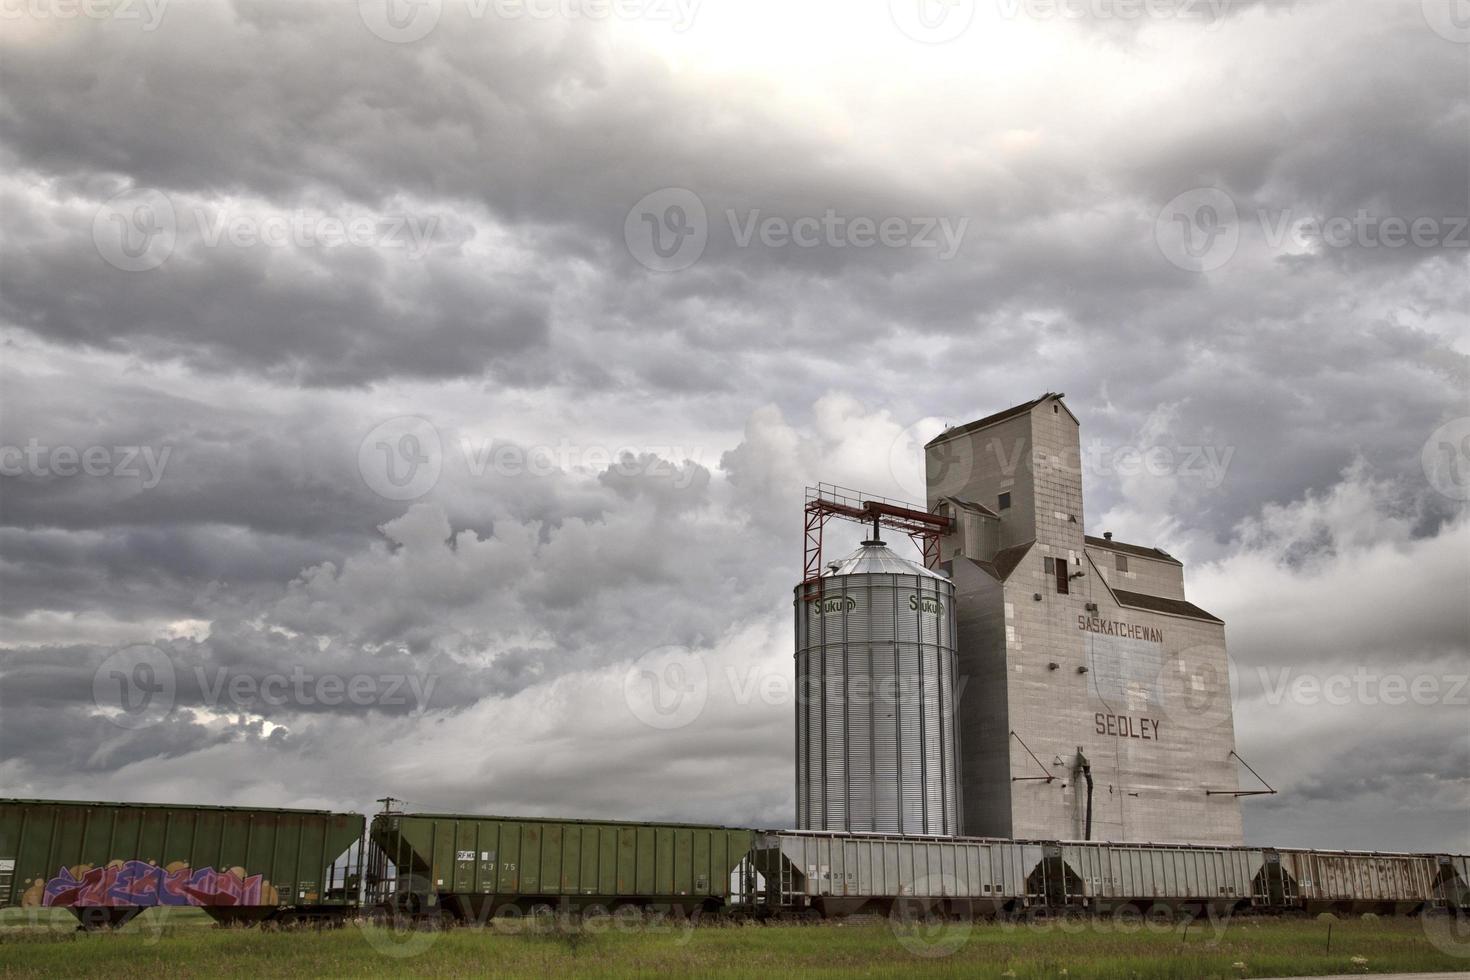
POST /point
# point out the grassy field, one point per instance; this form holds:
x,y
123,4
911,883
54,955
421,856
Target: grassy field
x,y
186,944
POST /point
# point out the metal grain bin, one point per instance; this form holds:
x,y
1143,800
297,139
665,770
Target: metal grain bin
x,y
875,727
109,861
471,866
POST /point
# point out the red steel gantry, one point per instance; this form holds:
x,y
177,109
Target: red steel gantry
x,y
827,500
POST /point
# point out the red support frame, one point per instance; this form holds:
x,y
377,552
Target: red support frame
x,y
825,501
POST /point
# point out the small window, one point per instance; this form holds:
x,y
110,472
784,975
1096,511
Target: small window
x,y
1004,501
1063,578
1049,565
1122,562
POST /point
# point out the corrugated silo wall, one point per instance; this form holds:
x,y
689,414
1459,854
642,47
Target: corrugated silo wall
x,y
875,708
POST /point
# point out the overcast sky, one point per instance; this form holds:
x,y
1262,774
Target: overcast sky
x,y
389,385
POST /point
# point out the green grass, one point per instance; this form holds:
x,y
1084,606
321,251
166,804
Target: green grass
x,y
185,944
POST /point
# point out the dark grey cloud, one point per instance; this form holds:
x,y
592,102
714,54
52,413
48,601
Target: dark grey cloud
x,y
620,453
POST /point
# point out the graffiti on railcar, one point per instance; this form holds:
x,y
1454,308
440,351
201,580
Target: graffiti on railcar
x,y
140,883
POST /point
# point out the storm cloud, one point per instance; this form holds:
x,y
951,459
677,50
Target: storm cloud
x,y
486,356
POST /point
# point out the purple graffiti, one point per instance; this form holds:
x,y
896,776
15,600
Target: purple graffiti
x,y
139,883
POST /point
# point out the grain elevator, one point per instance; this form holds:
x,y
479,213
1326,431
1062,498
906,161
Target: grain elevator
x,y
1073,691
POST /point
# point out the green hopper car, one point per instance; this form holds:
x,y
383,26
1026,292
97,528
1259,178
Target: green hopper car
x,y
107,862
472,867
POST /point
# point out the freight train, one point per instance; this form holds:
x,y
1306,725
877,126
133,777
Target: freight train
x,y
107,862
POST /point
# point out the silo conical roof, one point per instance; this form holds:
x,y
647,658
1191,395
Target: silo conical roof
x,y
876,558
